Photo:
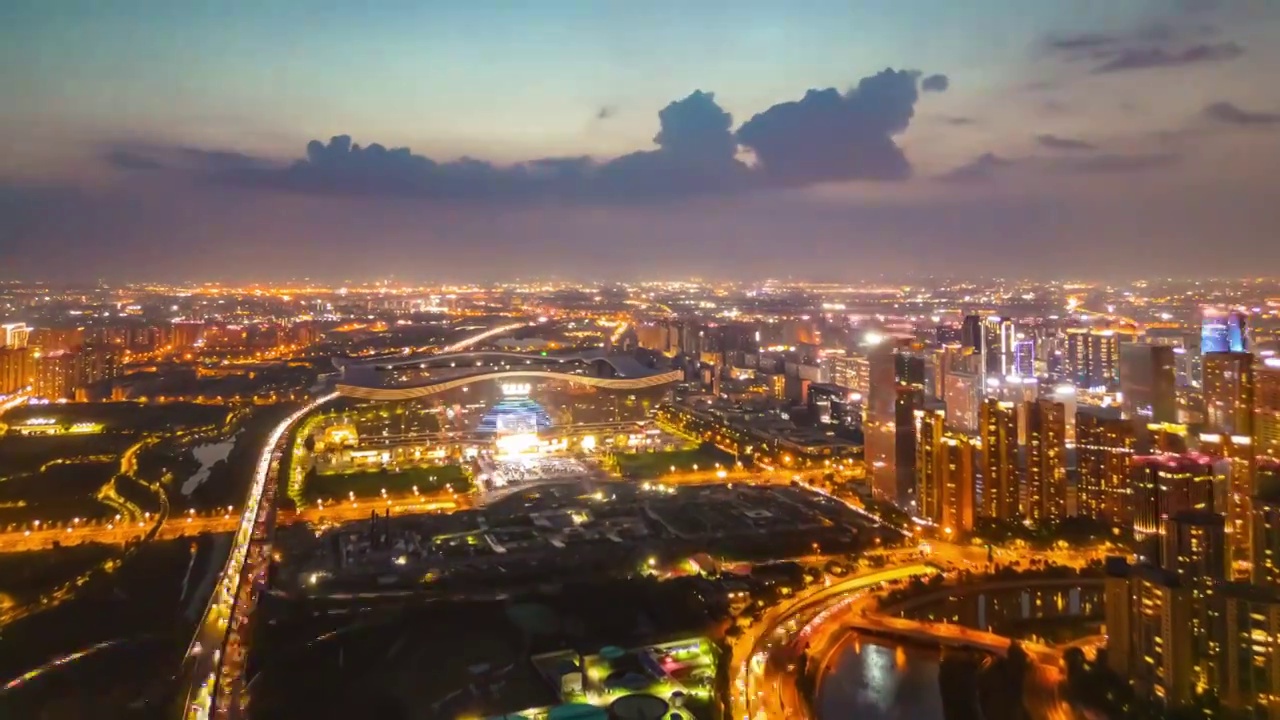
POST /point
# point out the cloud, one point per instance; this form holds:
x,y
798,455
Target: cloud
x,y
1084,41
1230,114
128,160
605,112
1054,142
979,169
1144,58
935,83
1114,163
827,136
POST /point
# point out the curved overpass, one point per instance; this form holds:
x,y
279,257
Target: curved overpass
x,y
431,388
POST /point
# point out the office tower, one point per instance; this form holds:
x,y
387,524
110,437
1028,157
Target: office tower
x,y
1223,331
1234,462
1228,393
1164,485
879,427
907,401
1104,448
1266,409
999,460
895,391
17,369
1093,356
962,393
1001,335
1046,461
1147,382
971,334
14,336
945,488
1024,357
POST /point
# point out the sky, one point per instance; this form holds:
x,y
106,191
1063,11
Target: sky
x,y
599,139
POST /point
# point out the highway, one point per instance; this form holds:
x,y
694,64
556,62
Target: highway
x,y
480,337
212,671
121,532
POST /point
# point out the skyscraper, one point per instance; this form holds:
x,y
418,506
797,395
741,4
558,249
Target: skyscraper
x,y
1147,382
1234,463
17,369
1266,409
999,460
1165,485
945,489
1223,331
1093,356
1104,449
1228,393
1046,461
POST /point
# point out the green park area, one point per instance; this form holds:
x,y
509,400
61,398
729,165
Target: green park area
x,y
650,465
397,483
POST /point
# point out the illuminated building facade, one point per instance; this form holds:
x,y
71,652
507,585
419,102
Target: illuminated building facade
x,y
1228,393
1266,415
945,487
17,369
1251,658
1046,461
14,336
1234,463
1195,550
1266,536
1148,382
1093,357
1104,450
1164,485
999,460
962,392
1223,331
1159,657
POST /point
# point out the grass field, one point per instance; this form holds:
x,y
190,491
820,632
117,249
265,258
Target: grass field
x,y
370,484
645,466
61,492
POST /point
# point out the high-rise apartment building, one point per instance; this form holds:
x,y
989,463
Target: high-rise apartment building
x,y
1093,356
1164,485
17,369
1148,382
999,440
1046,461
962,392
1104,448
1228,393
1195,550
945,487
1266,409
1234,487
14,336
1148,615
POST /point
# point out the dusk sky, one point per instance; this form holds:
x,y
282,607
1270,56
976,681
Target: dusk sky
x,y
265,139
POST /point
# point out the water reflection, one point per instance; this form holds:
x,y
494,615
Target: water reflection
x,y
873,681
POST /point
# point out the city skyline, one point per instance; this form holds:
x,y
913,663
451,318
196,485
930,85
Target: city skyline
x,y
1093,141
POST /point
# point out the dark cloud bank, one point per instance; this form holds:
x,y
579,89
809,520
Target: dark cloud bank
x,y
825,136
